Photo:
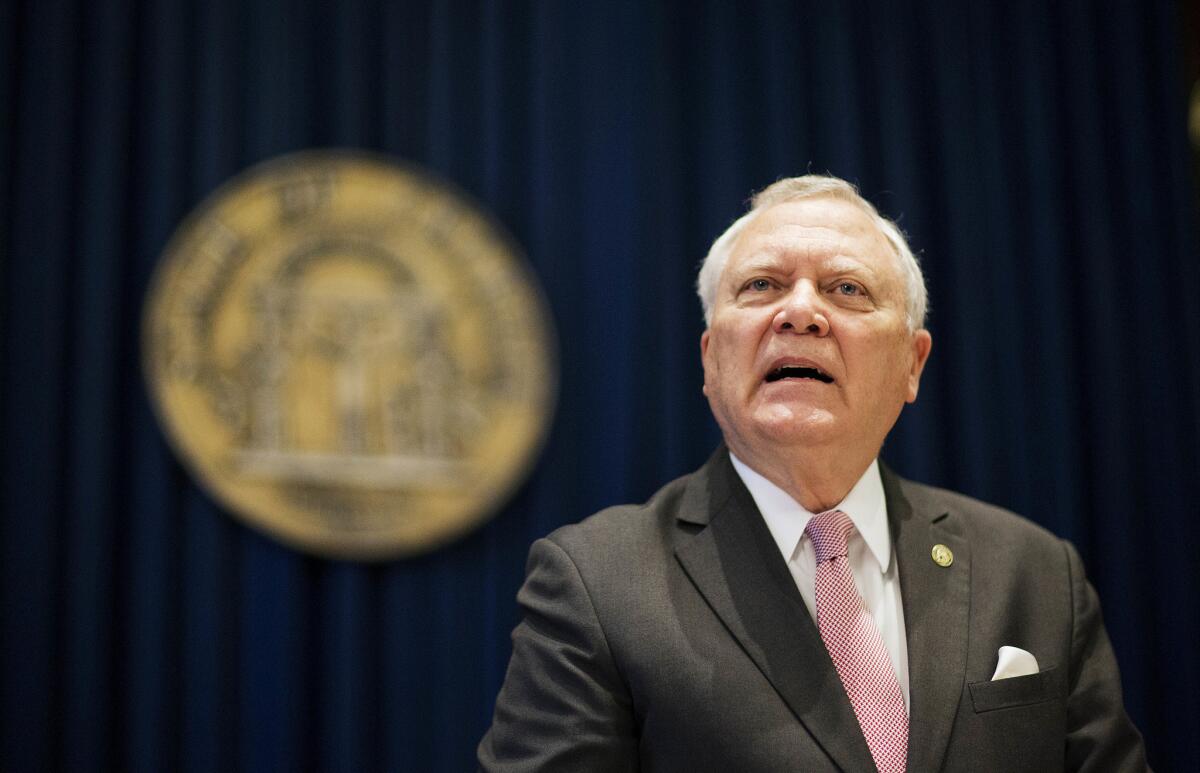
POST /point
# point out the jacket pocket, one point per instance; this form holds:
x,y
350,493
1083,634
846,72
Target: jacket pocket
x,y
1016,691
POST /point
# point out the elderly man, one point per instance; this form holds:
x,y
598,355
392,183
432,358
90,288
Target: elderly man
x,y
793,604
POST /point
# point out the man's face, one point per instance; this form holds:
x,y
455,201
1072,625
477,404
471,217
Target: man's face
x,y
809,343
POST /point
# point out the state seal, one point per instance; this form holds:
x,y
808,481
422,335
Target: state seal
x,y
349,355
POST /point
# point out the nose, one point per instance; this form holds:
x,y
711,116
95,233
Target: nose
x,y
802,312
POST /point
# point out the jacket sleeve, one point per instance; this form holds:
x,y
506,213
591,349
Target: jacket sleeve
x,y
1100,735
563,705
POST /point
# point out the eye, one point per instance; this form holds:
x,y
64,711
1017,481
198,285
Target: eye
x,y
849,288
759,285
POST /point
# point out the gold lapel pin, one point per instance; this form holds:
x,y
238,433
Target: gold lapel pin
x,y
942,556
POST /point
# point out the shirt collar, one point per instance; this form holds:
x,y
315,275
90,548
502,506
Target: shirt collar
x,y
786,518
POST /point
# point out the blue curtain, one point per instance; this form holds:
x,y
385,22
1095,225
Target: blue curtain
x,y
1035,152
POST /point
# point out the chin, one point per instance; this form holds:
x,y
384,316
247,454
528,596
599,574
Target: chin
x,y
786,426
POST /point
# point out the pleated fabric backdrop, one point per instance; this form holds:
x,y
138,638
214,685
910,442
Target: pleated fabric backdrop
x,y
1034,151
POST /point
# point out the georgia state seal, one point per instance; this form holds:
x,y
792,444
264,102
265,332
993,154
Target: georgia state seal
x,y
349,355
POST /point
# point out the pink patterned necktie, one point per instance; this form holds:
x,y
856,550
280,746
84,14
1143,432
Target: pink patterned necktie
x,y
854,644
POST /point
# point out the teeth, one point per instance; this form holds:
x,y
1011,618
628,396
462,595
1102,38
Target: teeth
x,y
799,371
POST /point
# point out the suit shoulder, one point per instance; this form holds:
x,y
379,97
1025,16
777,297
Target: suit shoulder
x,y
626,525
997,524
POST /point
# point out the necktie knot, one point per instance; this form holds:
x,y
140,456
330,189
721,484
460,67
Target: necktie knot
x,y
829,532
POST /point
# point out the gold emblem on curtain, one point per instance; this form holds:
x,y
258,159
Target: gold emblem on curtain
x,y
349,355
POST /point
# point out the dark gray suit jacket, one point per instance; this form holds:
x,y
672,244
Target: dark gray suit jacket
x,y
670,636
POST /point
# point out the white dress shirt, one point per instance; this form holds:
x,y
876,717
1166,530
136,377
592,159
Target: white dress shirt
x,y
872,559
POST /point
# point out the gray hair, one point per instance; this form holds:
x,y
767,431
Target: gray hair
x,y
807,187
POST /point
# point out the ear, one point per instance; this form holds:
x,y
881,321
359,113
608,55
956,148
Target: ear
x,y
922,342
704,358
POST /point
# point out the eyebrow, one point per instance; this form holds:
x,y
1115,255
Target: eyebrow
x,y
759,263
849,263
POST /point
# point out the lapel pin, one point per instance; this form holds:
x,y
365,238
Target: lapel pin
x,y
942,555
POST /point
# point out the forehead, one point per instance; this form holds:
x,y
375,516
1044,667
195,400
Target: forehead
x,y
816,228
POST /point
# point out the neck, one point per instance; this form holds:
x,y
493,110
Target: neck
x,y
815,478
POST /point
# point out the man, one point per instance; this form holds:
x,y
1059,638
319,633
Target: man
x,y
793,604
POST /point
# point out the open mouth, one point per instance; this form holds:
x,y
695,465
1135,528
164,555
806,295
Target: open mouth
x,y
799,371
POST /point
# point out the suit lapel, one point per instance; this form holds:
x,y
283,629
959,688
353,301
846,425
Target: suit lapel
x,y
936,607
736,566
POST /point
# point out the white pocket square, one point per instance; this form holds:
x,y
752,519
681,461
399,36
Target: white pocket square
x,y
1014,661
